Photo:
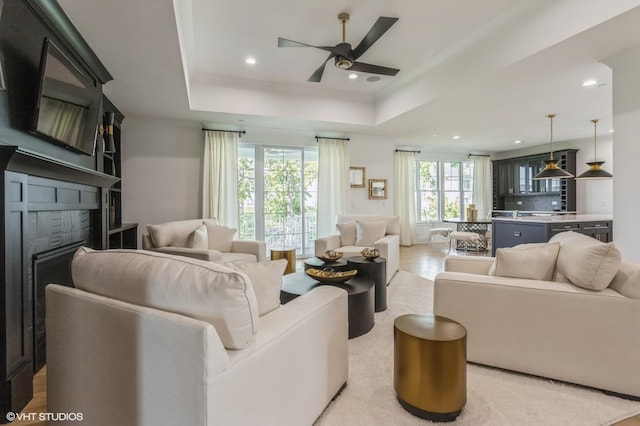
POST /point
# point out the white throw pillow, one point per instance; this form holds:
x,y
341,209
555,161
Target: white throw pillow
x,y
220,237
368,232
199,238
195,288
585,261
347,233
530,261
627,280
172,234
266,280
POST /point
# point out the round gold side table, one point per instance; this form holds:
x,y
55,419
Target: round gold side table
x,y
285,253
430,366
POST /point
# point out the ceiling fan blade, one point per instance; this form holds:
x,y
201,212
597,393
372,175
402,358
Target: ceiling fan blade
x,y
317,75
283,42
373,69
379,28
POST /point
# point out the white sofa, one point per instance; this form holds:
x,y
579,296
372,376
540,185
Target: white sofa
x,y
356,232
202,239
152,339
548,328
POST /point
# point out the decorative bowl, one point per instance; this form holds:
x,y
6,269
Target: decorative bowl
x,y
328,275
330,256
370,254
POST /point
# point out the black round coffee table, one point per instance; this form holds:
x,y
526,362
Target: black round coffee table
x,y
359,289
376,269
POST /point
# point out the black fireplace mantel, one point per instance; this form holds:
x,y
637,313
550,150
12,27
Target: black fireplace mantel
x,y
18,159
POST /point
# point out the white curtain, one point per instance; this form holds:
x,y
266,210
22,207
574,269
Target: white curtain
x,y
404,198
333,183
482,195
220,177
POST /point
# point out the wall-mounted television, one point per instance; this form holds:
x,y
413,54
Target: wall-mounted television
x,y
68,107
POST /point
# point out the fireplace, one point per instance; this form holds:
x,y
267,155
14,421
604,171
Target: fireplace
x,y
50,207
51,266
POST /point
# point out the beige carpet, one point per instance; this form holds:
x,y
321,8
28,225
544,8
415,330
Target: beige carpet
x,y
494,397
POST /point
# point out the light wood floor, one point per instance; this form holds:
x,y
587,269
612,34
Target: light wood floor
x,y
424,260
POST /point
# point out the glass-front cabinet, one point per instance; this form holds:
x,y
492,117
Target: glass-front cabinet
x,y
516,177
536,165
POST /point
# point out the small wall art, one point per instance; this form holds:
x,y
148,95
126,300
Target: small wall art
x,y
377,189
356,177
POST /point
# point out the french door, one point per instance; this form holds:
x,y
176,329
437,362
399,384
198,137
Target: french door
x,y
277,192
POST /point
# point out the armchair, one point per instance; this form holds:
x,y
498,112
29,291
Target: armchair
x,y
202,239
356,232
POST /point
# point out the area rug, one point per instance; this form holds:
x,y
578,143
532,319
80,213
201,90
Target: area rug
x,y
494,397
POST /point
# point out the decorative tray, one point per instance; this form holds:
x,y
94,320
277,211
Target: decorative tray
x,y
330,259
331,276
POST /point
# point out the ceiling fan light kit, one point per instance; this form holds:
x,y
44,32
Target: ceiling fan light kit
x,y
552,170
344,55
595,167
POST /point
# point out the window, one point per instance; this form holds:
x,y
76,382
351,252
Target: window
x,y
444,189
277,192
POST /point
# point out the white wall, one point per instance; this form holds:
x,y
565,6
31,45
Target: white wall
x,y
376,155
626,151
161,171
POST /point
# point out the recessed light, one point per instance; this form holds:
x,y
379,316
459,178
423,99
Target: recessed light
x,y
456,137
353,76
518,141
373,78
610,130
250,61
589,83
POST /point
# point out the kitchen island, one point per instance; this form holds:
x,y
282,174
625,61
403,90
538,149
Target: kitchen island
x,y
511,231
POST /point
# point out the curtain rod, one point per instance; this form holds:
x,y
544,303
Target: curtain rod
x,y
335,139
239,132
405,150
478,155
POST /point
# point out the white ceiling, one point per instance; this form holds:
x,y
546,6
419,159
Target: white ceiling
x,y
488,71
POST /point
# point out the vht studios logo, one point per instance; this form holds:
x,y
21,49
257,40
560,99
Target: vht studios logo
x,y
45,417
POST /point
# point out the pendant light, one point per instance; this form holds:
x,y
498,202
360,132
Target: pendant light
x,y
595,167
551,170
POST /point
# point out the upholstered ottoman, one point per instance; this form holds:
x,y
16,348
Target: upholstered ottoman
x,y
430,366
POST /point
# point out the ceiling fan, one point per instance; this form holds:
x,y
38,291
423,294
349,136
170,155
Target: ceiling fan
x,y
345,56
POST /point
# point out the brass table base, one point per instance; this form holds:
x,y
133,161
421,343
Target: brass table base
x,y
285,253
430,366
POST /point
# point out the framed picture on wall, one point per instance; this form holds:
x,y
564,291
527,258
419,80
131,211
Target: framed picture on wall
x,y
356,177
377,189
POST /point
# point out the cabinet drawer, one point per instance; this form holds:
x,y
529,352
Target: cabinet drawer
x,y
561,227
595,225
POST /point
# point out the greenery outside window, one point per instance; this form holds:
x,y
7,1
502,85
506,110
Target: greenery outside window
x,y
444,189
277,193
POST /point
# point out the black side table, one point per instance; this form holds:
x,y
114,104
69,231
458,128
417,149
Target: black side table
x,y
361,298
376,270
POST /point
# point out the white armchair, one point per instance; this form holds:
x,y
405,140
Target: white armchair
x,y
202,239
356,232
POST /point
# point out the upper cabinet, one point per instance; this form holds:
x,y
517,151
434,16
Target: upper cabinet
x,y
514,177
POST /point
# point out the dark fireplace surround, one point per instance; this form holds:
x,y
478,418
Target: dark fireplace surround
x,y
50,208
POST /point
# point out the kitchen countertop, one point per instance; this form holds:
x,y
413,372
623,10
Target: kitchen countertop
x,y
556,218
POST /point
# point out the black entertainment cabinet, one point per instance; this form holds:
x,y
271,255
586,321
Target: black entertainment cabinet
x,y
53,199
